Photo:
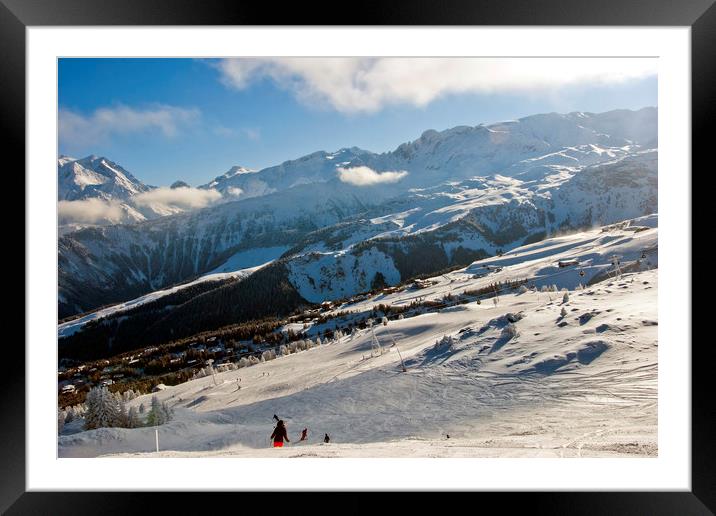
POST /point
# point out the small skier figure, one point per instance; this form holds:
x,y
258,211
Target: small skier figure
x,y
279,434
304,434
326,439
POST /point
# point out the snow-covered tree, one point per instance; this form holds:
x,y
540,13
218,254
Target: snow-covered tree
x,y
384,321
446,341
563,312
60,421
523,289
69,414
102,409
141,408
159,414
565,298
282,350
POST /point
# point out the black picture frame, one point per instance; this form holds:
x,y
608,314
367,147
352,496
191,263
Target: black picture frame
x,y
700,15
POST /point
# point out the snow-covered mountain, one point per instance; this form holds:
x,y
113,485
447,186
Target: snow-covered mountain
x,y
95,177
465,193
466,151
510,148
473,218
95,191
318,167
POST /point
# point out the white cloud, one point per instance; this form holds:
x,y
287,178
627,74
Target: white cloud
x,y
353,85
90,211
184,198
79,129
234,190
160,201
364,176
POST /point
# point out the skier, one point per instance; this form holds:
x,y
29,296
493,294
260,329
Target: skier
x,y
304,434
326,439
279,434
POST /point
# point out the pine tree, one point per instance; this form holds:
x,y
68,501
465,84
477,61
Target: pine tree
x,y
123,414
168,412
141,408
102,409
154,414
159,413
565,298
132,418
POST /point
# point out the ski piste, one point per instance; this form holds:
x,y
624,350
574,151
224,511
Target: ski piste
x,y
495,393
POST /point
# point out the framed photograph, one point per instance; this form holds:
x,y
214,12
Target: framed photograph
x,y
417,253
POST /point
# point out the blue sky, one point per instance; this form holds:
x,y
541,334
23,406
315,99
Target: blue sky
x,y
192,119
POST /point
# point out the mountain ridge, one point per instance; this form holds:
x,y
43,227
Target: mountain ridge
x,y
511,180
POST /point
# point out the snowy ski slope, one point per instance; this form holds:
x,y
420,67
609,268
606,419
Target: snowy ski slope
x,y
579,385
